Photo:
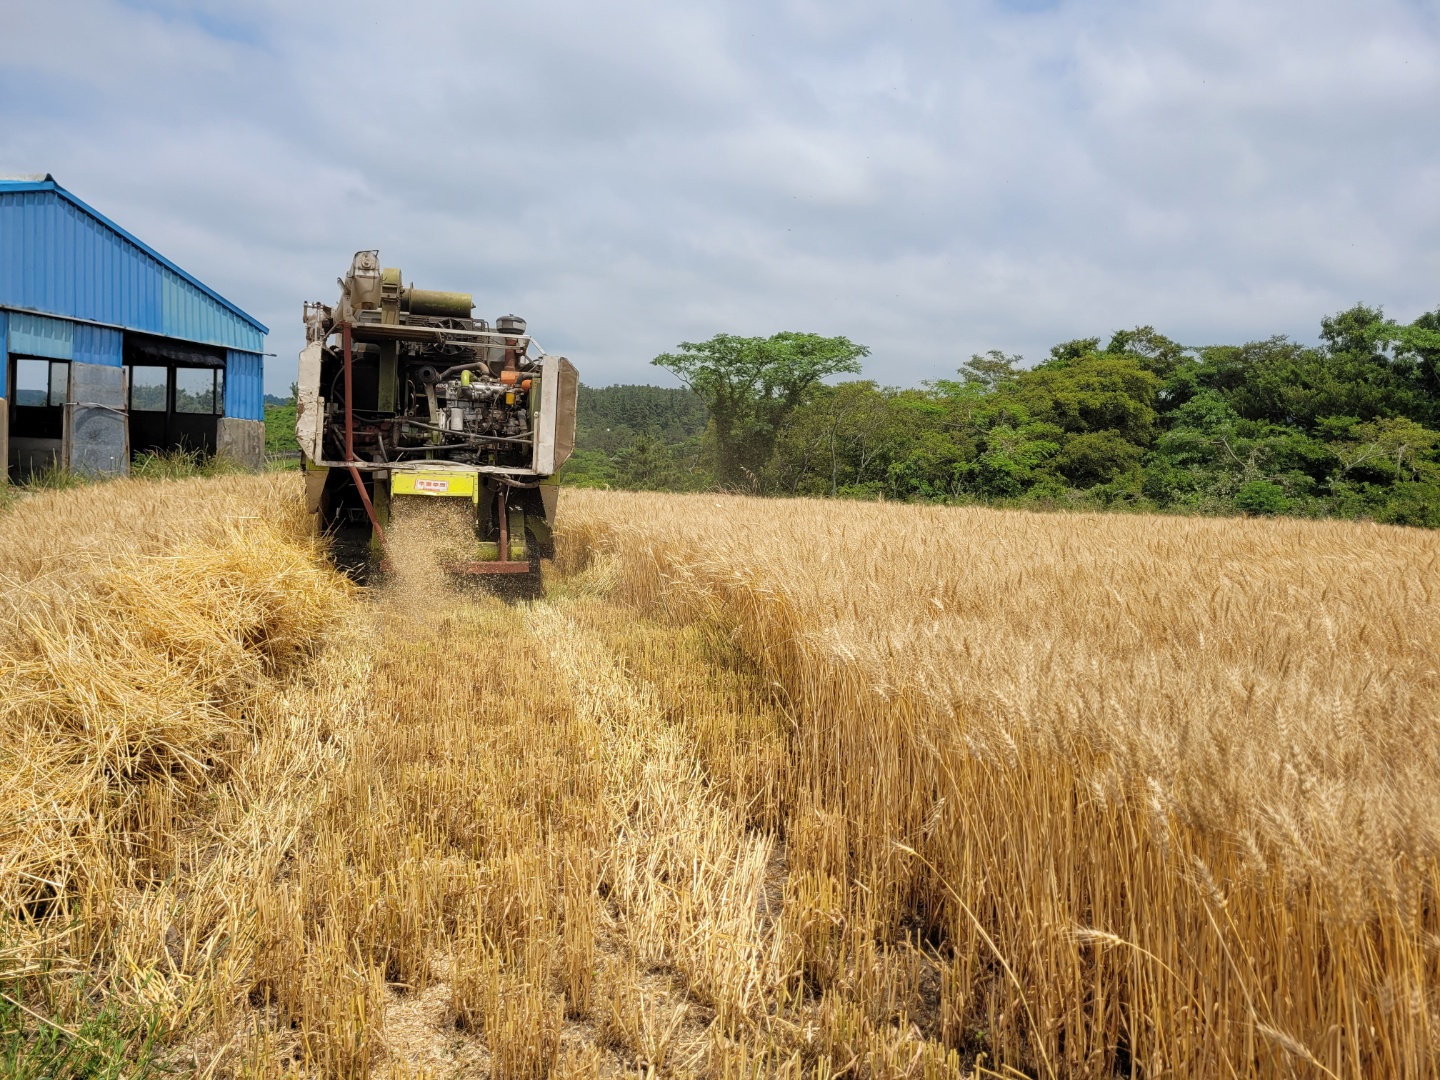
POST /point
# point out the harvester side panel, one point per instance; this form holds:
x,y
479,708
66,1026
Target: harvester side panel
x,y
555,426
565,409
309,406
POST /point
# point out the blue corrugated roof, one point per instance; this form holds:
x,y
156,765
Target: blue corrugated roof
x,y
167,311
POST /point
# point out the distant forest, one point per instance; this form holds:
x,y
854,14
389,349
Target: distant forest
x,y
645,438
1350,428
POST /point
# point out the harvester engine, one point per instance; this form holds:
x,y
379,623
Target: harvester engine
x,y
404,397
478,407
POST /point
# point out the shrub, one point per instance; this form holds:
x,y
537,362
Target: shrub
x,y
1261,497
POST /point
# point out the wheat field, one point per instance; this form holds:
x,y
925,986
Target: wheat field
x,y
759,788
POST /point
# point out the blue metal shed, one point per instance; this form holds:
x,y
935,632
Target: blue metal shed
x,y
108,348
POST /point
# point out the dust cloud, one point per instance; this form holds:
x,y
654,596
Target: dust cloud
x,y
425,535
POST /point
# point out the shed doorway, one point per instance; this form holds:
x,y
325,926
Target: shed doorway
x,y
36,392
177,397
175,407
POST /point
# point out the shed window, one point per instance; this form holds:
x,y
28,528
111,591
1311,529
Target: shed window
x,y
41,382
199,390
147,388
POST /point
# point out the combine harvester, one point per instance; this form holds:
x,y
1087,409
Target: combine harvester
x,y
409,409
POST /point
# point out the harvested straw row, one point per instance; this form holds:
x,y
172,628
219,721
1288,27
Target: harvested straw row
x,y
151,633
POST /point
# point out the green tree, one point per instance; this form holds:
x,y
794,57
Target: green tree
x,y
1261,497
1077,349
833,440
1013,454
1155,352
588,469
1417,347
1092,393
610,417
1096,457
750,386
648,464
992,370
1349,428
1390,450
1353,374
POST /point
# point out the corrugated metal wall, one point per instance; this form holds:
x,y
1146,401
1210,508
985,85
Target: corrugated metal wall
x,y
97,345
189,314
244,386
57,258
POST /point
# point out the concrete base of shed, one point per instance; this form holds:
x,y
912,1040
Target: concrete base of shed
x,y
242,441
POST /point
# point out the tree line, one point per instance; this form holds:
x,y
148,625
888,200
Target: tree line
x,y
1349,428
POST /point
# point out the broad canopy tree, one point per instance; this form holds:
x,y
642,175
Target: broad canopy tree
x,y
751,385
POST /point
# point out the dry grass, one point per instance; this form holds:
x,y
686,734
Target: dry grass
x,y
760,789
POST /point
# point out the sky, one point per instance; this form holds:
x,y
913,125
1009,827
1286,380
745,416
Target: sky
x,y
931,179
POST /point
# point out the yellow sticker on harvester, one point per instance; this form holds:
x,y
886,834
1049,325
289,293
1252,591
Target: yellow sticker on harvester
x,y
433,483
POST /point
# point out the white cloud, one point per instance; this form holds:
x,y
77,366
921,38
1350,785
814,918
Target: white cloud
x,y
929,178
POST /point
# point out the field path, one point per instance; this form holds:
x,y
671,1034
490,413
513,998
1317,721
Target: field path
x,y
545,764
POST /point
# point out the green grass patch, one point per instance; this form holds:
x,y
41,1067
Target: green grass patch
x,y
102,1045
280,429
180,465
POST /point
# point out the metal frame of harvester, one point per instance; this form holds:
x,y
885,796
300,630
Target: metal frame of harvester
x,y
417,399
